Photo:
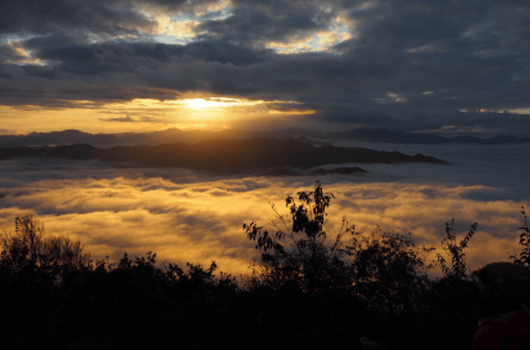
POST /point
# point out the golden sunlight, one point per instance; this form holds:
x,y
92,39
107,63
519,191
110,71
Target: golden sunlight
x,y
140,115
201,103
201,221
22,56
294,111
339,30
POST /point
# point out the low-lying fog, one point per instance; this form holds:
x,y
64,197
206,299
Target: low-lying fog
x,y
187,216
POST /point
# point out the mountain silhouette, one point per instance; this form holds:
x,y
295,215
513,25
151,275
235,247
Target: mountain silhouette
x,y
230,156
174,135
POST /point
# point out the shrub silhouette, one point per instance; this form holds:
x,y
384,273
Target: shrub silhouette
x,y
297,254
38,275
311,286
58,298
29,247
300,254
524,241
389,271
379,276
458,266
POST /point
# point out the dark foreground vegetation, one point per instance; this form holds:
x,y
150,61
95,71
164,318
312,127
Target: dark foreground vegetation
x,y
308,289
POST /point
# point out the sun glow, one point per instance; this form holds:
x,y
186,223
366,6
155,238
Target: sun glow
x,y
146,114
201,103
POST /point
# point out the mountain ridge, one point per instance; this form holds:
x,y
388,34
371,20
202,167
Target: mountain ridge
x,y
262,155
174,135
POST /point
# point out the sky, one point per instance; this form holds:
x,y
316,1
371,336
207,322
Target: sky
x,y
444,66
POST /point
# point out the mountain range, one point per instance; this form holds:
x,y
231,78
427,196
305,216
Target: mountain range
x,y
173,135
228,156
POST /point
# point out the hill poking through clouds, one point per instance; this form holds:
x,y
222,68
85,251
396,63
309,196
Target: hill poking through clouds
x,y
229,156
174,135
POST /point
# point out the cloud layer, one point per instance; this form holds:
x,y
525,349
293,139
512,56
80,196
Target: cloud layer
x,y
185,217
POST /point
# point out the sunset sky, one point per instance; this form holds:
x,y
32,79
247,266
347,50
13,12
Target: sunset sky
x,y
455,66
448,67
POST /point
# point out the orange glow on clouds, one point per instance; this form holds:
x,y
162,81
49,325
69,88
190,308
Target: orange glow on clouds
x,y
293,112
23,56
200,221
140,115
338,30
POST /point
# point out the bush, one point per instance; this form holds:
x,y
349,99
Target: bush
x,y
524,241
378,277
458,268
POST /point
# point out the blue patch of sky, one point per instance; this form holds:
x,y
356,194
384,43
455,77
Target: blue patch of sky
x,y
182,17
16,37
186,16
170,39
216,15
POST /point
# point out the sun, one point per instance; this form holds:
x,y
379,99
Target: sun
x,y
197,103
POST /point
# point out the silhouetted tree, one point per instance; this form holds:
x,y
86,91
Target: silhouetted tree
x,y
458,267
300,253
524,241
24,247
36,278
297,254
389,270
381,272
29,246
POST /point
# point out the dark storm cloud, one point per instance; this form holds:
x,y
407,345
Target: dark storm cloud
x,y
4,74
38,16
226,52
59,93
179,5
249,24
92,59
39,72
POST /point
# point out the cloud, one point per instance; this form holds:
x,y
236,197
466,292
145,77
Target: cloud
x,y
113,216
252,23
184,216
100,58
126,119
36,16
357,63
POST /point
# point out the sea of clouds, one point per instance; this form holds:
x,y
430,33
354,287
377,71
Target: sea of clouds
x,y
186,216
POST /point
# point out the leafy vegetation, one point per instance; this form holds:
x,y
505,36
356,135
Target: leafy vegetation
x,y
308,285
376,267
524,241
456,251
60,298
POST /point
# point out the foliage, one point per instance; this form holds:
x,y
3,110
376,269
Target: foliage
x,y
58,298
311,286
30,248
377,278
382,268
297,254
524,241
388,270
458,268
25,246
